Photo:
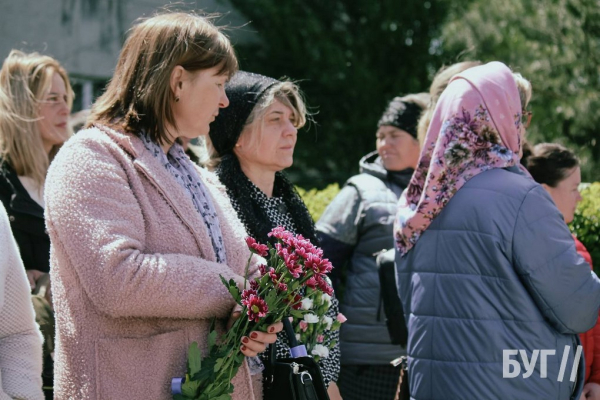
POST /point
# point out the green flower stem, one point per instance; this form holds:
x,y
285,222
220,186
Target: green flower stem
x,y
246,269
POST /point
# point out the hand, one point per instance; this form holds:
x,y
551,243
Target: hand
x,y
33,276
334,392
591,391
257,342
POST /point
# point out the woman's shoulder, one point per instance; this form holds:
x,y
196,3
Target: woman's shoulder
x,y
91,154
82,142
507,182
97,142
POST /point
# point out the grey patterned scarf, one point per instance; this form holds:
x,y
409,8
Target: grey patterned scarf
x,y
181,168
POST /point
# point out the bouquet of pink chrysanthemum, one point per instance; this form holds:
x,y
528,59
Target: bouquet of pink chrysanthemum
x,y
292,265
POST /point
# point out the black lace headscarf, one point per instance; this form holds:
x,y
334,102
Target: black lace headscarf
x,y
244,92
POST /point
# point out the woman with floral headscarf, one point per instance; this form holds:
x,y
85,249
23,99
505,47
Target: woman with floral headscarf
x,y
486,265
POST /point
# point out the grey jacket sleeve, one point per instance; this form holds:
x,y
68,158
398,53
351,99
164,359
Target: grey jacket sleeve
x,y
566,292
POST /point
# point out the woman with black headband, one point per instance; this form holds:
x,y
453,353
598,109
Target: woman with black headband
x,y
354,228
251,142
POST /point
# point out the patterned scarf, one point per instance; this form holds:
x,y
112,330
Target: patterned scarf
x,y
476,127
181,168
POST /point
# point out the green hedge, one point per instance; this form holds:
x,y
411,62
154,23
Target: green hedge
x,y
317,200
585,225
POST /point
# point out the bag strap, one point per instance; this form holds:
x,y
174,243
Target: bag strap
x,y
270,365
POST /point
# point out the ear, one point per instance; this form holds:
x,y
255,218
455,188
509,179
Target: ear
x,y
176,80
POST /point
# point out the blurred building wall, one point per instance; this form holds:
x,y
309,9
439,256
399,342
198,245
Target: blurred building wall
x,y
86,35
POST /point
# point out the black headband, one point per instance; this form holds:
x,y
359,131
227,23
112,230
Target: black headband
x,y
403,115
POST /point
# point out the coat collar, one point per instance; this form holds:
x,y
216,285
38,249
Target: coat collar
x,y
176,196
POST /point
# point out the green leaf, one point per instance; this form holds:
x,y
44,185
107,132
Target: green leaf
x,y
190,388
271,298
194,359
218,364
224,281
233,289
297,313
212,339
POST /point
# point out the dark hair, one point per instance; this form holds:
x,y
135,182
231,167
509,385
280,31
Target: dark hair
x,y
527,152
404,112
550,163
139,97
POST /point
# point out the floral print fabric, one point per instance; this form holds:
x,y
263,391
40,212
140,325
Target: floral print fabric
x,y
476,127
181,168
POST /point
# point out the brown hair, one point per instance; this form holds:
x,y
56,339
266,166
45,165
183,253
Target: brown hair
x,y
25,78
139,96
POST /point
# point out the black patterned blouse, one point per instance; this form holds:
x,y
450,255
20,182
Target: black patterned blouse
x,y
278,215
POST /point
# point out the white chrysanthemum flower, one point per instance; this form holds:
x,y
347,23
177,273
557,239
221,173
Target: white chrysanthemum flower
x,y
307,303
311,319
326,298
328,321
320,351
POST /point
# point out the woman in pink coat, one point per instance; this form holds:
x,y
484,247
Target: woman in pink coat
x,y
140,237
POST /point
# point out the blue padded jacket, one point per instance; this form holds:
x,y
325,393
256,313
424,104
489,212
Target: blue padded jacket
x,y
496,270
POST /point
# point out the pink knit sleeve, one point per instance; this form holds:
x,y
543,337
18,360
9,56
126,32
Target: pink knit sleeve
x,y
20,339
97,230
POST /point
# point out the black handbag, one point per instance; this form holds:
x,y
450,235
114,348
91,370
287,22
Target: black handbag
x,y
292,378
392,306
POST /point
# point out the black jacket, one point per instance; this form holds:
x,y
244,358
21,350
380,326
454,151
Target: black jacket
x,y
26,221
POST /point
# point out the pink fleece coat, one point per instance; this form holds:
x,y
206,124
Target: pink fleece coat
x,y
134,274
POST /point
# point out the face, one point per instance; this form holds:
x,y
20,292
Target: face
x,y
268,143
54,114
397,148
566,194
201,95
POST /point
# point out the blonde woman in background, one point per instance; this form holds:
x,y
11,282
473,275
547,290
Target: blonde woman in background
x,y
35,101
439,83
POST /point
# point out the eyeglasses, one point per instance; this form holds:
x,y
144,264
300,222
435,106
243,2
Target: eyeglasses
x,y
526,118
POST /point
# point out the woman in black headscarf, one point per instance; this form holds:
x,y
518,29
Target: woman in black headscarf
x,y
251,142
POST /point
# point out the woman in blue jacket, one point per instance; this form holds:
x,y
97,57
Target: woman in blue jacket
x,y
486,265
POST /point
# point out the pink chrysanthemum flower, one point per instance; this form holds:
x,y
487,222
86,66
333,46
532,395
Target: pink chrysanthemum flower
x,y
257,248
257,307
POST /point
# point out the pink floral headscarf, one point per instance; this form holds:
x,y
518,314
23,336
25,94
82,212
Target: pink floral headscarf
x,y
476,126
